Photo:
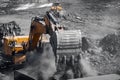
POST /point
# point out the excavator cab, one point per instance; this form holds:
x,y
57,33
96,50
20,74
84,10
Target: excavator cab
x,y
13,47
56,7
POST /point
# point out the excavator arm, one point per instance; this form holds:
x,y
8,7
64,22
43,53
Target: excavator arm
x,y
40,26
37,28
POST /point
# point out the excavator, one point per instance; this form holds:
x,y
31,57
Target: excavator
x,y
66,44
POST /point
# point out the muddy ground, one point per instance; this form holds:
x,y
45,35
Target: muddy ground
x,y
95,18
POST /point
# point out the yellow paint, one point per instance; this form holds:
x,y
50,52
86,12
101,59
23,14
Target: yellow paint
x,y
35,33
59,8
18,44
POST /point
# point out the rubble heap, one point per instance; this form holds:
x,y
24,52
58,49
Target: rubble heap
x,y
111,43
9,29
106,60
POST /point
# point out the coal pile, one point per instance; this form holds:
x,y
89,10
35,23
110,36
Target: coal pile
x,y
8,29
105,57
111,43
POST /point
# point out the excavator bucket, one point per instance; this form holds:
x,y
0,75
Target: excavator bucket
x,y
68,42
67,48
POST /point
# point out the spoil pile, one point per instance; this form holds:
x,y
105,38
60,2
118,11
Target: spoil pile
x,y
9,29
111,43
105,57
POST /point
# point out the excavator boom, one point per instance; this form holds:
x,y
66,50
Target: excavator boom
x,y
36,30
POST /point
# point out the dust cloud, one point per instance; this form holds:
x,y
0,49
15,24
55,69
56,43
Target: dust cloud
x,y
87,70
47,63
6,76
41,66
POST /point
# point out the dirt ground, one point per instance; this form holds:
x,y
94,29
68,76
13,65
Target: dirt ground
x,y
95,18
